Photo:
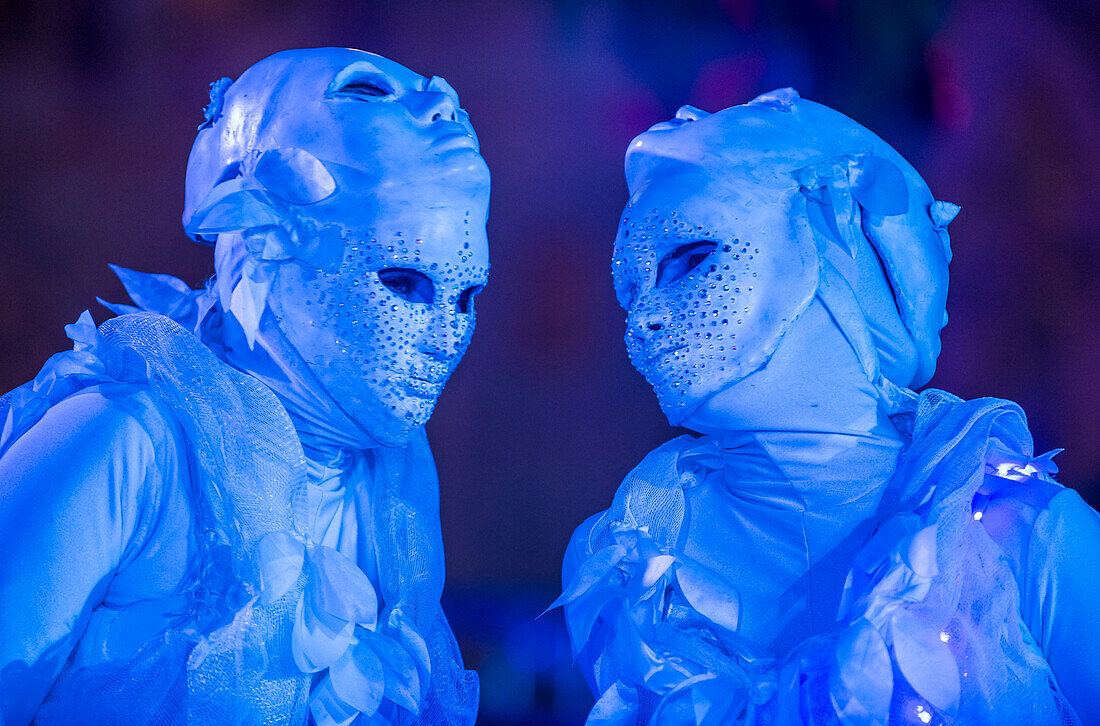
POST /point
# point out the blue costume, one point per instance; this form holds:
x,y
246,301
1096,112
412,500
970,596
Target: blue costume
x,y
834,548
220,507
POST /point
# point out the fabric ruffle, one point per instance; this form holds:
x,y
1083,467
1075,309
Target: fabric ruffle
x,y
654,598
372,668
62,375
661,629
666,625
337,628
376,665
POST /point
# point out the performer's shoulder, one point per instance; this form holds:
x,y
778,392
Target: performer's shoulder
x,y
112,435
578,549
641,474
113,413
1027,512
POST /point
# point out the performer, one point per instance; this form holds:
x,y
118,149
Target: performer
x,y
221,507
834,548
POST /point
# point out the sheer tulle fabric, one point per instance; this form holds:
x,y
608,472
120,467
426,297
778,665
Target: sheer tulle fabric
x,y
276,625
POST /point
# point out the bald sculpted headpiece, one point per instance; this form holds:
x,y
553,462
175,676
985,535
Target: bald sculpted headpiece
x,y
289,123
347,199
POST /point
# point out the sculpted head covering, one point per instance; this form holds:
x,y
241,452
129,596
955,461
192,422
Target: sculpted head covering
x,y
348,202
784,199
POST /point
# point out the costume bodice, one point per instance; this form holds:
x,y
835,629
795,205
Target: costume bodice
x,y
928,627
270,602
760,520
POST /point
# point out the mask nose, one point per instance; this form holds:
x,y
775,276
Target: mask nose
x,y
430,106
643,322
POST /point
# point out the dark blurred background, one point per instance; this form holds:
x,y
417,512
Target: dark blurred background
x,y
996,102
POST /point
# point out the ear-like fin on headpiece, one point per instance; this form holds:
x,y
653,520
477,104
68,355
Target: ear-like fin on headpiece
x,y
213,110
781,99
943,213
879,186
294,175
233,206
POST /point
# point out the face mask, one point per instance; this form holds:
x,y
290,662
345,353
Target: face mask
x,y
385,329
738,219
357,189
710,279
335,105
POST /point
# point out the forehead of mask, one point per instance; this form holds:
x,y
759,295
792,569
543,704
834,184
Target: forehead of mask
x,y
384,327
695,329
764,142
344,106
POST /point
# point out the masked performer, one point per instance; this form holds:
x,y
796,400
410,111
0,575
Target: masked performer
x,y
221,507
834,548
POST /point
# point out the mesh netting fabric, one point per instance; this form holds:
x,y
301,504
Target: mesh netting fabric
x,y
407,531
974,601
652,495
233,664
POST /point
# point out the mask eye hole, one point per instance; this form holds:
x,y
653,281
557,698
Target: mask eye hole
x,y
681,261
466,298
362,87
409,285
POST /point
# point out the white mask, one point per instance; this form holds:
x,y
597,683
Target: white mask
x,y
738,219
710,280
357,191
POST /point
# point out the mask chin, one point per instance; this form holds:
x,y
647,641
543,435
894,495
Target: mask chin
x,y
389,425
677,415
392,433
680,413
814,381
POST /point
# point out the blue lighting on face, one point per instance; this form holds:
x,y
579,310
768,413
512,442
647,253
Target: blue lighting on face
x,y
365,232
709,278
